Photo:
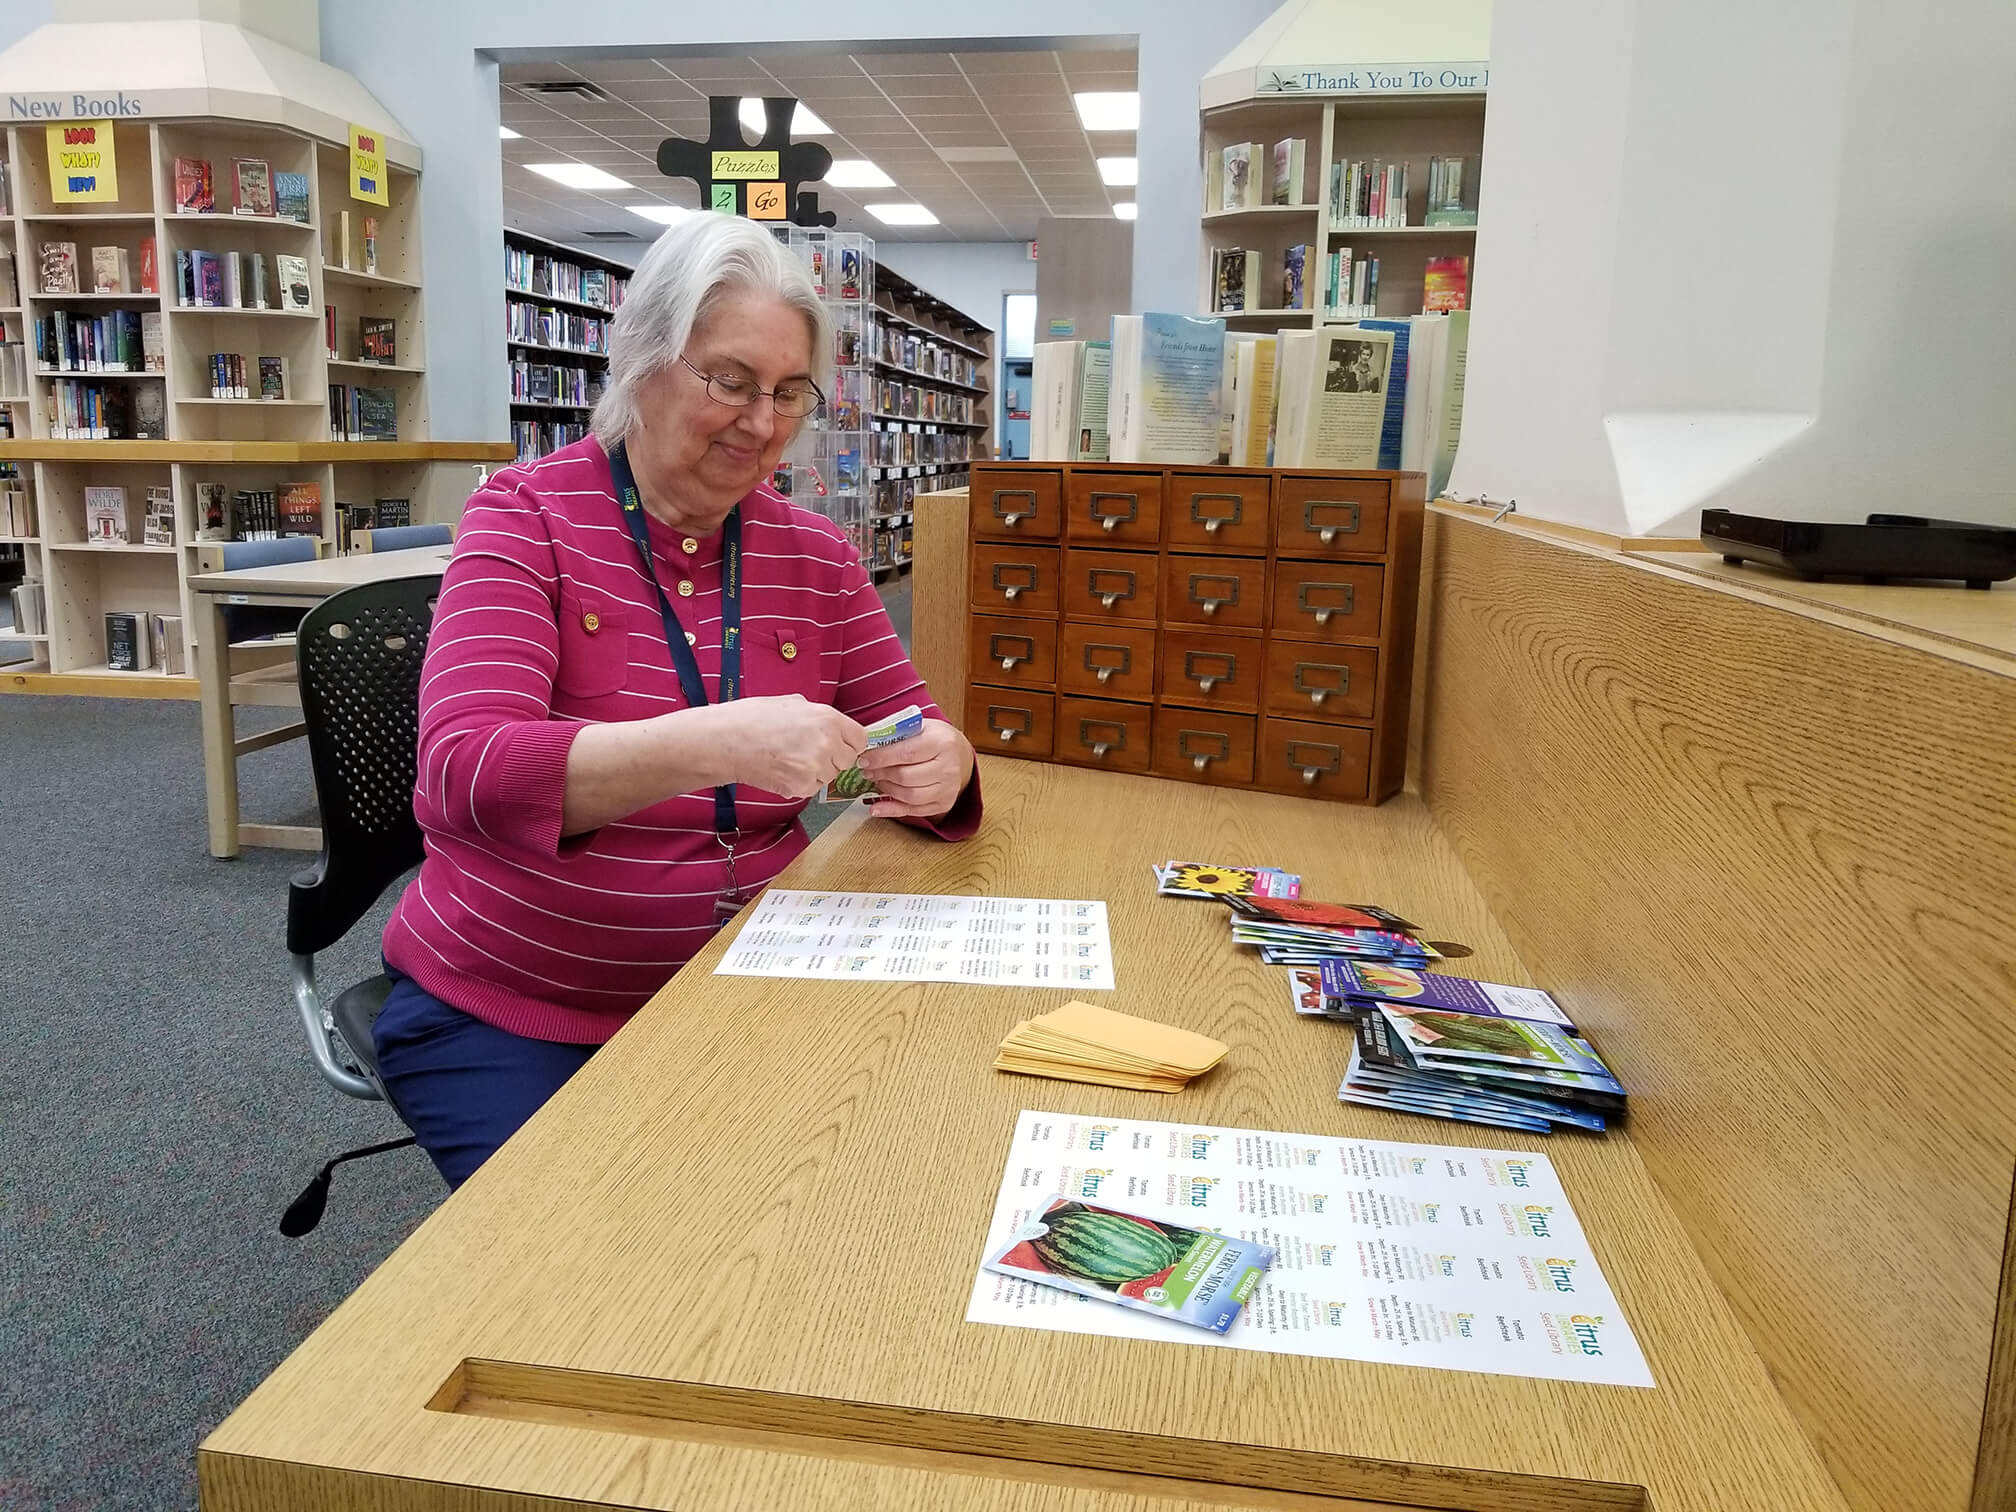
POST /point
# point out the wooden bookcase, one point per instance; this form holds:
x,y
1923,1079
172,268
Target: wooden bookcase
x,y
248,443
1412,128
530,417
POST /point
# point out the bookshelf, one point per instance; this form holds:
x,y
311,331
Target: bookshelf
x,y
193,438
554,382
1409,129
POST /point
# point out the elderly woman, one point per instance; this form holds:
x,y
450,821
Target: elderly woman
x,y
644,661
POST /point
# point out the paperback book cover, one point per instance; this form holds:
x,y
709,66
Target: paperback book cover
x,y
293,275
109,270
1294,269
377,339
290,196
253,186
1446,285
377,414
1237,189
300,509
159,527
59,267
1094,377
1286,185
272,377
105,516
193,193
1181,359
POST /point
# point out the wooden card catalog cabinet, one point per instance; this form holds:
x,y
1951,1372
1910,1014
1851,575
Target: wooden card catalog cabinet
x,y
1234,626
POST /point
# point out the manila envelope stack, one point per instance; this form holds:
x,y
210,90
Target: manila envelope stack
x,y
1086,1044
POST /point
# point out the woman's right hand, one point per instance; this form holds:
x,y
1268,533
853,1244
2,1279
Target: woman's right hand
x,y
789,745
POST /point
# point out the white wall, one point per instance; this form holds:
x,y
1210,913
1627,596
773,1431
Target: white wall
x,y
421,60
1746,253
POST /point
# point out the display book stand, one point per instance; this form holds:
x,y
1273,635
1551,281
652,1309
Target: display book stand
x,y
1410,128
549,297
243,444
1249,628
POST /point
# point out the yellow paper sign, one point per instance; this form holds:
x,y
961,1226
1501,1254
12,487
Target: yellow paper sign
x,y
367,166
83,164
766,202
744,165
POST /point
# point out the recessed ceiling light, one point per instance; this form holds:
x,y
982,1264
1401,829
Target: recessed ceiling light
x,y
506,134
578,176
1109,110
1120,170
803,121
1126,210
663,214
902,215
857,173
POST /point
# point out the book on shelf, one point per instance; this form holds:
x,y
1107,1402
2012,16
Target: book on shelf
x,y
1351,285
300,509
393,512
358,412
17,517
371,244
150,412
158,524
1165,387
1439,349
290,196
339,256
291,273
273,378
228,376
31,608
1235,273
1253,403
13,368
6,190
1452,190
1334,407
105,516
170,646
213,512
68,341
262,290
59,267
377,339
111,270
80,411
1240,168
1068,418
1367,194
1285,186
252,187
128,645
150,267
329,330
254,515
1294,276
193,193
1392,429
1446,285
10,279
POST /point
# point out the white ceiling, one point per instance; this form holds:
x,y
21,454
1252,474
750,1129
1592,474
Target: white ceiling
x,y
898,110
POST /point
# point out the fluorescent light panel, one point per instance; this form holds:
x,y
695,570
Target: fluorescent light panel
x,y
578,176
803,121
1126,210
857,173
1120,170
1109,110
663,214
506,134
902,215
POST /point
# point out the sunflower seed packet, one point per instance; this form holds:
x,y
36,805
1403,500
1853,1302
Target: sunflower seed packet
x,y
1152,1264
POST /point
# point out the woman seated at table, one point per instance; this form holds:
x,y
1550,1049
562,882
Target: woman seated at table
x,y
643,662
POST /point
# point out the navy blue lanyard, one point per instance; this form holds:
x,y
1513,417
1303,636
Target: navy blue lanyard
x,y
683,660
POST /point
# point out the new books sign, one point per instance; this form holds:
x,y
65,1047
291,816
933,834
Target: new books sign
x,y
1372,78
83,165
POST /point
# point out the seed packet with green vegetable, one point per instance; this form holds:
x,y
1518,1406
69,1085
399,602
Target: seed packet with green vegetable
x,y
854,783
1191,1275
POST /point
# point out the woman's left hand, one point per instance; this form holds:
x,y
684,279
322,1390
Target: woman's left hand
x,y
922,777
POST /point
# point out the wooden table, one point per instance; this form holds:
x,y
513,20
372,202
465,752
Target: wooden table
x,y
634,1304
297,584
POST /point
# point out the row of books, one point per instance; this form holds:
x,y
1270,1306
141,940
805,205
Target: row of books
x,y
136,641
1246,175
1068,383
231,375
258,514
119,341
543,325
538,438
240,281
892,546
381,514
358,412
898,347
30,603
891,497
106,523
77,409
913,401
1345,283
556,383
899,446
111,269
17,514
255,189
1372,194
530,272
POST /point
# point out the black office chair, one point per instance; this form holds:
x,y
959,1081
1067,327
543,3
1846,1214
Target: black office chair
x,y
359,656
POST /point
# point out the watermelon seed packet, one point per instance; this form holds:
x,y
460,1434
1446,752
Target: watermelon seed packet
x,y
1153,1264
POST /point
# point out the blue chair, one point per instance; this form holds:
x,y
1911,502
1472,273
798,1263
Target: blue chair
x,y
256,623
406,537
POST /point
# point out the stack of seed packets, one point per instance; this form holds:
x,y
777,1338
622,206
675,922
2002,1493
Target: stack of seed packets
x,y
1082,1043
1200,879
1294,933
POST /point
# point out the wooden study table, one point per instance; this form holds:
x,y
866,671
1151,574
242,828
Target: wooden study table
x,y
727,1268
300,585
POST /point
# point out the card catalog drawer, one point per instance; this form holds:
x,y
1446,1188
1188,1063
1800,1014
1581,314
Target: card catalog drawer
x,y
1098,732
1012,653
1225,593
1014,580
1316,760
1212,513
1107,661
1332,516
1210,671
1311,680
1327,601
1111,585
1203,745
1009,721
1122,508
1016,504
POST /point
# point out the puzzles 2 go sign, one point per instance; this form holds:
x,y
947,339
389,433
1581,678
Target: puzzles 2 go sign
x,y
83,164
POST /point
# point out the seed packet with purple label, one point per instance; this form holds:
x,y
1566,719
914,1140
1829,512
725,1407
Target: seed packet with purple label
x,y
1348,985
1148,1263
853,783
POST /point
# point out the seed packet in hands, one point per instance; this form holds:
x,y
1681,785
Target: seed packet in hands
x,y
854,783
1150,1264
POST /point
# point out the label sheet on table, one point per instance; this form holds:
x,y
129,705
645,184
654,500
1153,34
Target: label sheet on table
x,y
1452,1258
924,937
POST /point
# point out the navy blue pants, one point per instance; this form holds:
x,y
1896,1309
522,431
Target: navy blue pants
x,y
463,1087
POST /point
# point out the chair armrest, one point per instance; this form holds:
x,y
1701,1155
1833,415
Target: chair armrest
x,y
316,1021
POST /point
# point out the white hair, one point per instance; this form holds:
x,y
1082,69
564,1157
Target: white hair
x,y
697,259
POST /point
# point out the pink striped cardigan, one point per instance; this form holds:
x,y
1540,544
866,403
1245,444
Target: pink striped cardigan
x,y
545,624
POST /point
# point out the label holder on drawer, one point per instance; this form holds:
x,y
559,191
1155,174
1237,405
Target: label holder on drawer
x,y
1206,681
1214,523
1208,602
1311,770
1099,748
1317,693
999,648
1329,533
1007,730
1106,673
1013,518
1201,759
1323,612
1108,599
1011,590
1112,522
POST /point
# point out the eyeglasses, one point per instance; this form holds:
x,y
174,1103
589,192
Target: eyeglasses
x,y
794,399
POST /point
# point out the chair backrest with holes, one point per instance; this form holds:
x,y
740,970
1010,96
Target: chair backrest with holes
x,y
406,537
244,624
359,655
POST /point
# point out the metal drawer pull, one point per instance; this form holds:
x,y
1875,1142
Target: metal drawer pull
x,y
1101,747
1002,646
1105,672
1311,770
1328,533
1014,517
1206,681
1202,759
1323,613
1111,522
1109,599
1210,602
1211,523
1012,589
1007,732
1318,694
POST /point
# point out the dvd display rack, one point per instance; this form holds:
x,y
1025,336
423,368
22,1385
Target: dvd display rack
x,y
559,304
824,469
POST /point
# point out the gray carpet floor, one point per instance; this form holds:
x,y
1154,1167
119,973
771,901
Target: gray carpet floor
x,y
158,1110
